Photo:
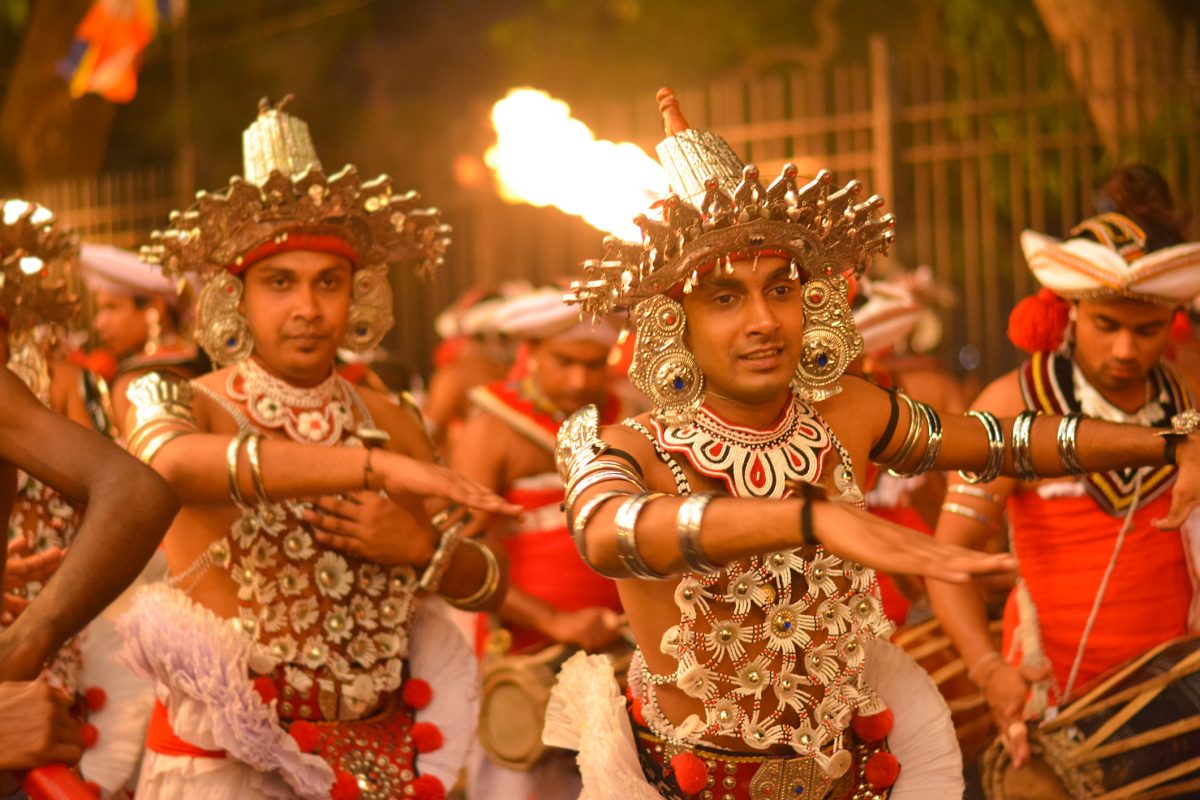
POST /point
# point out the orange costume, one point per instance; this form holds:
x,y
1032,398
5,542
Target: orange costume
x,y
542,557
1065,533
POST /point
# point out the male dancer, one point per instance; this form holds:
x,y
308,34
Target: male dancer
x,y
762,672
138,317
509,448
1097,332
281,645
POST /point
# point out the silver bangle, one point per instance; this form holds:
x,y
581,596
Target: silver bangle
x,y
934,448
933,444
896,463
578,526
596,477
1068,448
431,578
687,528
626,523
969,513
995,459
1022,457
232,454
975,491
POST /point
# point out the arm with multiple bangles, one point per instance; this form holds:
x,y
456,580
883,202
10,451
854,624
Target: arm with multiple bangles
x,y
382,491
628,522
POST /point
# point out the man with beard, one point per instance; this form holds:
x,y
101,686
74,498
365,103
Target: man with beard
x,y
731,517
1099,583
509,448
292,654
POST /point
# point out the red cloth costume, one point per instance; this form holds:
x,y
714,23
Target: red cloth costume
x,y
1065,543
541,556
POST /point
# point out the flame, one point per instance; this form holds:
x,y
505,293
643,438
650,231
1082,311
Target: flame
x,y
545,157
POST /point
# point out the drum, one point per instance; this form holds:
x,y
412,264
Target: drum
x,y
516,689
1136,733
930,646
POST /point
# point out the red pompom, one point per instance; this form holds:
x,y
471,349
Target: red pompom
x,y
1181,327
1037,323
428,787
94,788
416,693
882,770
345,787
873,727
95,698
266,689
89,734
690,772
307,735
426,737
635,711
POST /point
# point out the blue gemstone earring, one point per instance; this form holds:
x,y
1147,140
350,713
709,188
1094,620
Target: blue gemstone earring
x,y
831,341
663,368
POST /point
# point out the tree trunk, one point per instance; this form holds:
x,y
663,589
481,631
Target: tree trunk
x,y
1103,42
44,133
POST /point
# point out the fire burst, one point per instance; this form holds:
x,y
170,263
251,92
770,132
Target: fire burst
x,y
545,157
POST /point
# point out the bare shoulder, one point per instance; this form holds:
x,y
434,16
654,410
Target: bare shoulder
x,y
1002,396
401,422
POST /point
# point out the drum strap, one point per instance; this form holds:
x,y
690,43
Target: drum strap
x,y
1108,572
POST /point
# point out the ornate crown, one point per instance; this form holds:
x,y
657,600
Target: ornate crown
x,y
37,256
285,189
720,207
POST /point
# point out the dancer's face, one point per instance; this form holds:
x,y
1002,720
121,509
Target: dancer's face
x,y
745,329
120,323
297,305
570,373
1117,342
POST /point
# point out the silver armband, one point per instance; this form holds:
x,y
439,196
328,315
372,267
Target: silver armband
x,y
687,524
626,524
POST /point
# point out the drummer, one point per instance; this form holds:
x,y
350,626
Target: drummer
x,y
509,447
1100,582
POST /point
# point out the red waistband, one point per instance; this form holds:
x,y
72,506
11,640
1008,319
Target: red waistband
x,y
161,738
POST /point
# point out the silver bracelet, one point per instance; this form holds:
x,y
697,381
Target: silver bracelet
x,y
1022,456
687,527
595,477
1068,448
578,526
910,439
431,578
995,459
626,522
934,448
933,443
975,491
232,454
969,513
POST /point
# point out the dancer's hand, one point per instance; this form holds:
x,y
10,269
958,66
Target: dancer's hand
x,y
1185,492
853,534
21,568
403,476
592,629
1006,689
368,525
36,727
